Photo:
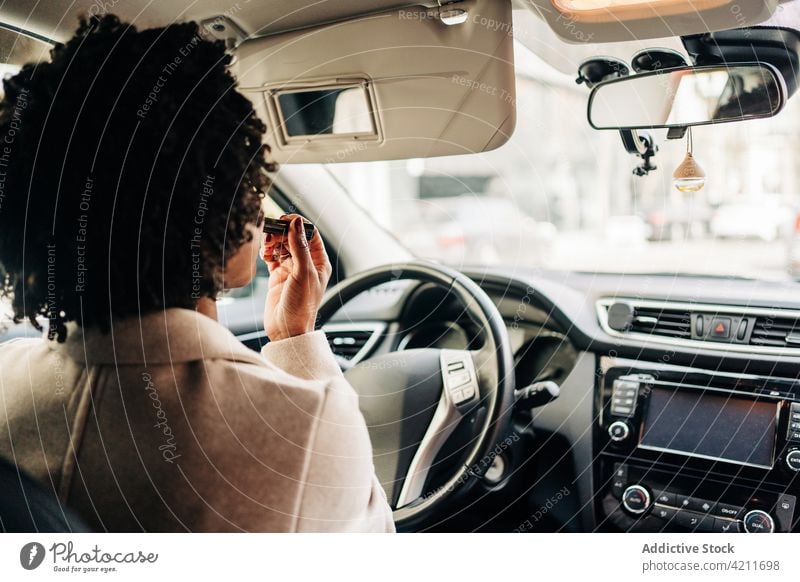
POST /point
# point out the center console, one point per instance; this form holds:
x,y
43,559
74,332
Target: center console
x,y
684,449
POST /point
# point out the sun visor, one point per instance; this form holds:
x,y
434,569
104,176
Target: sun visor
x,y
412,83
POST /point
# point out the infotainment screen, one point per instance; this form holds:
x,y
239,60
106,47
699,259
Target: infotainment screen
x,y
710,425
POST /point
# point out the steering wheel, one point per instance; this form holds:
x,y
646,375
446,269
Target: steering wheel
x,y
414,400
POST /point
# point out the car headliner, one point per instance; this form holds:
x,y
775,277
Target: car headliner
x,y
57,19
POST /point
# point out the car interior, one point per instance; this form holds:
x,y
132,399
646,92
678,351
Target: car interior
x,y
599,202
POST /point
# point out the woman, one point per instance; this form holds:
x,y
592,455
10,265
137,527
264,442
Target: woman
x,y
132,179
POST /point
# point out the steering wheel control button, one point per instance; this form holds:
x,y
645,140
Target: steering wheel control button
x,y
618,431
636,499
793,460
458,375
459,378
459,396
468,392
758,521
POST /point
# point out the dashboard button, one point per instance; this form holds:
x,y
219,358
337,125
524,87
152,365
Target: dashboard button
x,y
695,504
618,410
694,521
683,501
706,524
742,331
618,480
665,513
793,460
784,512
721,328
636,499
699,327
625,392
618,431
665,498
725,526
625,385
758,521
729,511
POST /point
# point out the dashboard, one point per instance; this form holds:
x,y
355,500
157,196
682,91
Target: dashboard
x,y
433,319
624,350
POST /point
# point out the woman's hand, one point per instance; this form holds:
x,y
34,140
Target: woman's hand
x,y
299,273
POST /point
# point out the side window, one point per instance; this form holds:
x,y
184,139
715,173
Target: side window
x,y
273,210
16,49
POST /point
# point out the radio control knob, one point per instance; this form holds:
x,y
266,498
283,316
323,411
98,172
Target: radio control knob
x,y
618,431
636,499
793,460
758,521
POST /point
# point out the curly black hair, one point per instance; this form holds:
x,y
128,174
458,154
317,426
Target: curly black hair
x,y
130,167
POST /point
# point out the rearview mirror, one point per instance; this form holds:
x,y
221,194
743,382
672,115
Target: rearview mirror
x,y
687,96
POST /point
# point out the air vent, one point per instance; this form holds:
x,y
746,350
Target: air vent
x,y
756,330
674,323
353,342
779,332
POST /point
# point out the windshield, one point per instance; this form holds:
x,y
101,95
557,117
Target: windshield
x,y
560,195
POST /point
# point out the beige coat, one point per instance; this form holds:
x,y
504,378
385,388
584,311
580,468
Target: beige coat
x,y
169,423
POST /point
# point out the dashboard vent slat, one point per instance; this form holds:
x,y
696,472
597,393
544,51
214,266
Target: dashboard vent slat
x,y
352,342
672,323
769,331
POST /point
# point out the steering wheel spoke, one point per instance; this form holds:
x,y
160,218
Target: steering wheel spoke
x,y
485,363
460,391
